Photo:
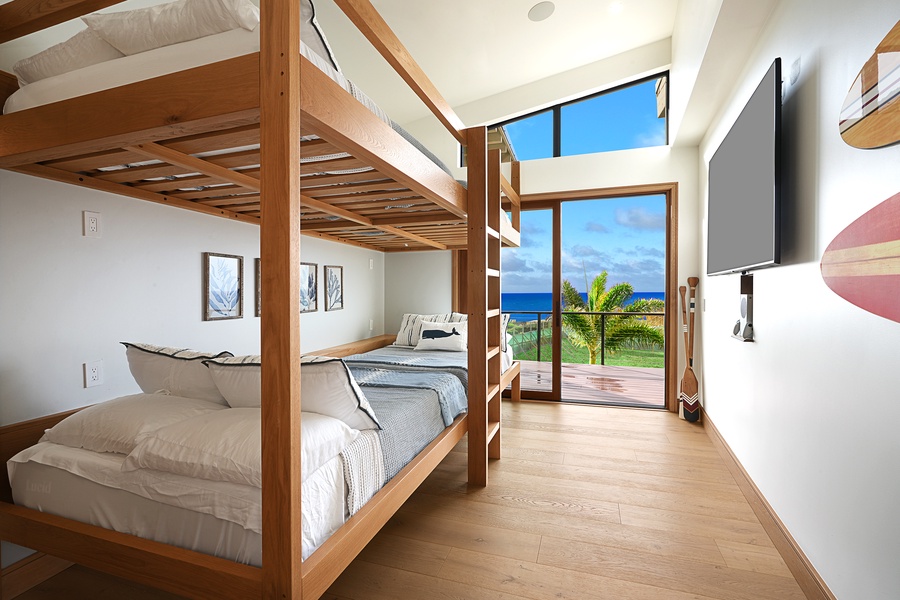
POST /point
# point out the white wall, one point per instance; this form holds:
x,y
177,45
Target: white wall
x,y
66,299
416,282
811,407
363,295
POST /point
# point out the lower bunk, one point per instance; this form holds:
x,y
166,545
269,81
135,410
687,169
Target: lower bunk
x,y
173,546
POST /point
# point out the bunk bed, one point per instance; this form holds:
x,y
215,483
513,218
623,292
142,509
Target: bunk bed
x,y
230,135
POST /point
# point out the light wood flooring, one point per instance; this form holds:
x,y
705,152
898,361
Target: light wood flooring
x,y
587,503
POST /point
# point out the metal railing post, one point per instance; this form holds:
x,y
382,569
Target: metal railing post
x,y
603,339
539,336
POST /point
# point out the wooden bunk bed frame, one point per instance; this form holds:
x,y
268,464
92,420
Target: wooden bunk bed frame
x,y
93,139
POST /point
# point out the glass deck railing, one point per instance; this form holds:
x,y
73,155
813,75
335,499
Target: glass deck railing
x,y
531,338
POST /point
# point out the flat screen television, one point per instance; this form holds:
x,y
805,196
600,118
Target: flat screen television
x,y
744,216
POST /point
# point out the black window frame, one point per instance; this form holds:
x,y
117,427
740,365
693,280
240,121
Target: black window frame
x,y
557,110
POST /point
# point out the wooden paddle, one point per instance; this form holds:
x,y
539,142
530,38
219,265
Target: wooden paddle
x,y
684,327
690,388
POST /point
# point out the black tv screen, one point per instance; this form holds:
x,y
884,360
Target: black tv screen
x,y
745,186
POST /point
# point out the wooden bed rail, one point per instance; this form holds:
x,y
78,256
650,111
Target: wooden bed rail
x,y
373,26
21,17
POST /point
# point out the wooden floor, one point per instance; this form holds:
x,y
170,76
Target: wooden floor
x,y
588,503
624,386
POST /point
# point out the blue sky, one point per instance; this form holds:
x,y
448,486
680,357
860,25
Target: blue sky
x,y
623,236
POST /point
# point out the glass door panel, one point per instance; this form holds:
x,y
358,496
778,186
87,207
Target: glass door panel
x,y
612,346
527,284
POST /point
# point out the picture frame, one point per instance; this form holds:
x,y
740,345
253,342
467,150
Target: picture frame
x,y
258,262
334,287
223,285
309,287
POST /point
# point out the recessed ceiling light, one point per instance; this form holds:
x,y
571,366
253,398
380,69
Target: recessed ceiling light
x,y
616,7
541,11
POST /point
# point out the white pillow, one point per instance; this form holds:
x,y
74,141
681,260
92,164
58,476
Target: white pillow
x,y
313,36
504,336
226,446
176,371
328,388
135,31
411,326
444,336
238,379
116,425
83,49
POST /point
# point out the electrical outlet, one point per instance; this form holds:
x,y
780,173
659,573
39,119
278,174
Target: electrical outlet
x,y
93,373
371,264
371,324
91,224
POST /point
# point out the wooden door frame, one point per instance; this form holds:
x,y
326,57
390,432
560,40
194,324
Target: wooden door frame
x,y
670,191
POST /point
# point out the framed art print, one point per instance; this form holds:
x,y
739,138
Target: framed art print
x,y
258,288
309,287
223,281
334,287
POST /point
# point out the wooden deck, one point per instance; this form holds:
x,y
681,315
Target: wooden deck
x,y
626,386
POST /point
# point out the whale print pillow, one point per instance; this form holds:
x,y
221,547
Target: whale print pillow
x,y
443,336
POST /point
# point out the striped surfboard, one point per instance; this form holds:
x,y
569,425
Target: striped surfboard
x,y
870,116
862,263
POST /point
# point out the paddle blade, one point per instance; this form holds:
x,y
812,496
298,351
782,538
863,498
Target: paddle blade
x,y
689,397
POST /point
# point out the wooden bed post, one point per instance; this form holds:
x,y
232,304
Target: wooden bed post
x,y
476,302
280,327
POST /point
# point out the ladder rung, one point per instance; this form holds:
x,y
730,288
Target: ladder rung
x,y
493,429
494,312
492,351
493,272
493,390
492,232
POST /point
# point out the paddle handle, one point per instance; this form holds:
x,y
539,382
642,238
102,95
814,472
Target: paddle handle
x,y
692,282
684,322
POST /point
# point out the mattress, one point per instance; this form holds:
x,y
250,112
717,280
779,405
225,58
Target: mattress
x,y
219,518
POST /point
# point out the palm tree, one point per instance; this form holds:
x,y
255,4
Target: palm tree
x,y
585,330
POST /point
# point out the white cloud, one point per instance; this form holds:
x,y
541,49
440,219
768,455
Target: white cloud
x,y
641,218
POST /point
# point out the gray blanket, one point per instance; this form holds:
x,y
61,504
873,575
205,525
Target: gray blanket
x,y
450,392
410,419
407,359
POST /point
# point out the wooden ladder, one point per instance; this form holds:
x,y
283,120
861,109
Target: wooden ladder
x,y
483,304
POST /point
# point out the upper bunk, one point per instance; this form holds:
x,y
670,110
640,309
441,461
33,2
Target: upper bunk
x,y
190,138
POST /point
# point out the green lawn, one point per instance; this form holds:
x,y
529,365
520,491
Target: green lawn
x,y
573,354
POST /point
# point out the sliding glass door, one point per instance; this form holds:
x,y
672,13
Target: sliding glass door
x,y
529,283
586,294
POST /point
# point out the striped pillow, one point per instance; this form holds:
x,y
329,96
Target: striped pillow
x,y
239,379
175,371
411,326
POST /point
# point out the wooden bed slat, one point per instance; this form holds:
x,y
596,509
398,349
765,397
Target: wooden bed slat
x,y
379,34
192,163
356,218
124,190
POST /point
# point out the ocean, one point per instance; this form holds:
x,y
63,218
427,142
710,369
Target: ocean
x,y
543,302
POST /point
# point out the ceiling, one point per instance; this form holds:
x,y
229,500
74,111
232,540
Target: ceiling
x,y
472,49
475,49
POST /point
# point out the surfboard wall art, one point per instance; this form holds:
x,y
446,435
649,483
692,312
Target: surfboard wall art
x,y
870,116
862,264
